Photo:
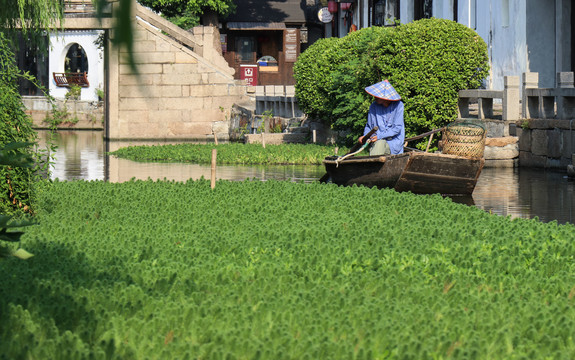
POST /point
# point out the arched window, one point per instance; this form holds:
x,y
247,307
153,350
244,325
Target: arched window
x,y
76,60
75,68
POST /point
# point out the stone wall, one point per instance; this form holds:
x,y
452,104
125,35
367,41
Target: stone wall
x,y
79,114
546,143
181,88
546,133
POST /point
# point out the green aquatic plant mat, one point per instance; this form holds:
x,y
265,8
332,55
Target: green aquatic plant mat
x,y
281,270
232,153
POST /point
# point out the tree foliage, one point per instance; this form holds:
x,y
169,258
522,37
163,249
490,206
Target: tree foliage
x,y
30,15
427,61
186,13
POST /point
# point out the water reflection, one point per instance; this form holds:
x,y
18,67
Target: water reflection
x,y
526,193
523,193
79,156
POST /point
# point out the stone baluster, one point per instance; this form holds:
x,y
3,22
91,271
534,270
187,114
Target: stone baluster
x,y
511,98
565,96
530,104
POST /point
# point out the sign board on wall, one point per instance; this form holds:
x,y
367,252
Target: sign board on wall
x,y
291,45
324,15
249,73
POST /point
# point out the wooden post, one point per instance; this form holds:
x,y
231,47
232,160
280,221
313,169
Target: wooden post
x,y
214,157
216,139
263,140
313,136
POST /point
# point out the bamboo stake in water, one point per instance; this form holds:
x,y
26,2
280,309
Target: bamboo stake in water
x,y
263,140
314,136
214,157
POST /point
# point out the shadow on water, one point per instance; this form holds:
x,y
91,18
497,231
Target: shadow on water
x,y
518,193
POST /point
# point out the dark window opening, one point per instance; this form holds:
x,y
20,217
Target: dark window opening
x,y
422,9
76,60
245,49
385,12
455,11
34,60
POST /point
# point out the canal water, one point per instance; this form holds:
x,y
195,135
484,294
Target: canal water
x,y
518,193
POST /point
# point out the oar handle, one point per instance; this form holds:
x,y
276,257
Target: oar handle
x,y
367,136
424,134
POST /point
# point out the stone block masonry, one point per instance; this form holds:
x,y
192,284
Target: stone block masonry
x,y
546,144
80,115
182,88
547,130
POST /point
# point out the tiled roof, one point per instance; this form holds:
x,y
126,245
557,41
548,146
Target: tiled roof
x,y
250,25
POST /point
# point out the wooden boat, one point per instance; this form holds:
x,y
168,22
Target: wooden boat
x,y
418,172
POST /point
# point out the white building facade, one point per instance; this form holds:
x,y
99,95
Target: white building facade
x,y
79,50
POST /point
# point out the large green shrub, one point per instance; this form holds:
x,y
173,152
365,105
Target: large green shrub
x,y
310,70
427,61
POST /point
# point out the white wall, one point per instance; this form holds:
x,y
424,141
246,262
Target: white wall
x,y
507,44
60,43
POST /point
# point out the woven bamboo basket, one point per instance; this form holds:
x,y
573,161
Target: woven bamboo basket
x,y
464,139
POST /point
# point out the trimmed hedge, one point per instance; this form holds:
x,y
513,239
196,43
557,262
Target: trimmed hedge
x,y
427,61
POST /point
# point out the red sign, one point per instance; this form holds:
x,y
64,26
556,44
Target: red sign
x,y
249,73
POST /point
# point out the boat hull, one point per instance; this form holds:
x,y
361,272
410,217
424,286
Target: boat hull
x,y
417,172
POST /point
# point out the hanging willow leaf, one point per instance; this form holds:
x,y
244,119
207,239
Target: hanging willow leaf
x,y
13,236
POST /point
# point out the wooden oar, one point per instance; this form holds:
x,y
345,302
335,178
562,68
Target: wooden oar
x,y
356,147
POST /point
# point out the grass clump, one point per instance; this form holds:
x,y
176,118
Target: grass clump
x,y
281,270
232,153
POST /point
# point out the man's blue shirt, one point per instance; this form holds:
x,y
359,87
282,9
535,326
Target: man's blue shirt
x,y
389,120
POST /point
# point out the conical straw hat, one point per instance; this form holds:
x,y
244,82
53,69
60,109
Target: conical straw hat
x,y
383,90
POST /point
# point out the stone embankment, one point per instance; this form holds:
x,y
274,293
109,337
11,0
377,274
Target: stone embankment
x,y
541,119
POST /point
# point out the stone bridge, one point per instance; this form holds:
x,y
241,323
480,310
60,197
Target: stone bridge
x,y
182,87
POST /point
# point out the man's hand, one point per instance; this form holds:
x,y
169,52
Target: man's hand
x,y
373,138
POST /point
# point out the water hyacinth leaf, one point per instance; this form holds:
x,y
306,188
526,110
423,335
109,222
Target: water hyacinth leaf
x,y
273,267
22,254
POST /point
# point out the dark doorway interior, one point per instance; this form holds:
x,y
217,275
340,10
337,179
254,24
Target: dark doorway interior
x,y
34,60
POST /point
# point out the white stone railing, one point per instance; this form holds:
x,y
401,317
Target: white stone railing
x,y
536,102
549,103
509,98
172,30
